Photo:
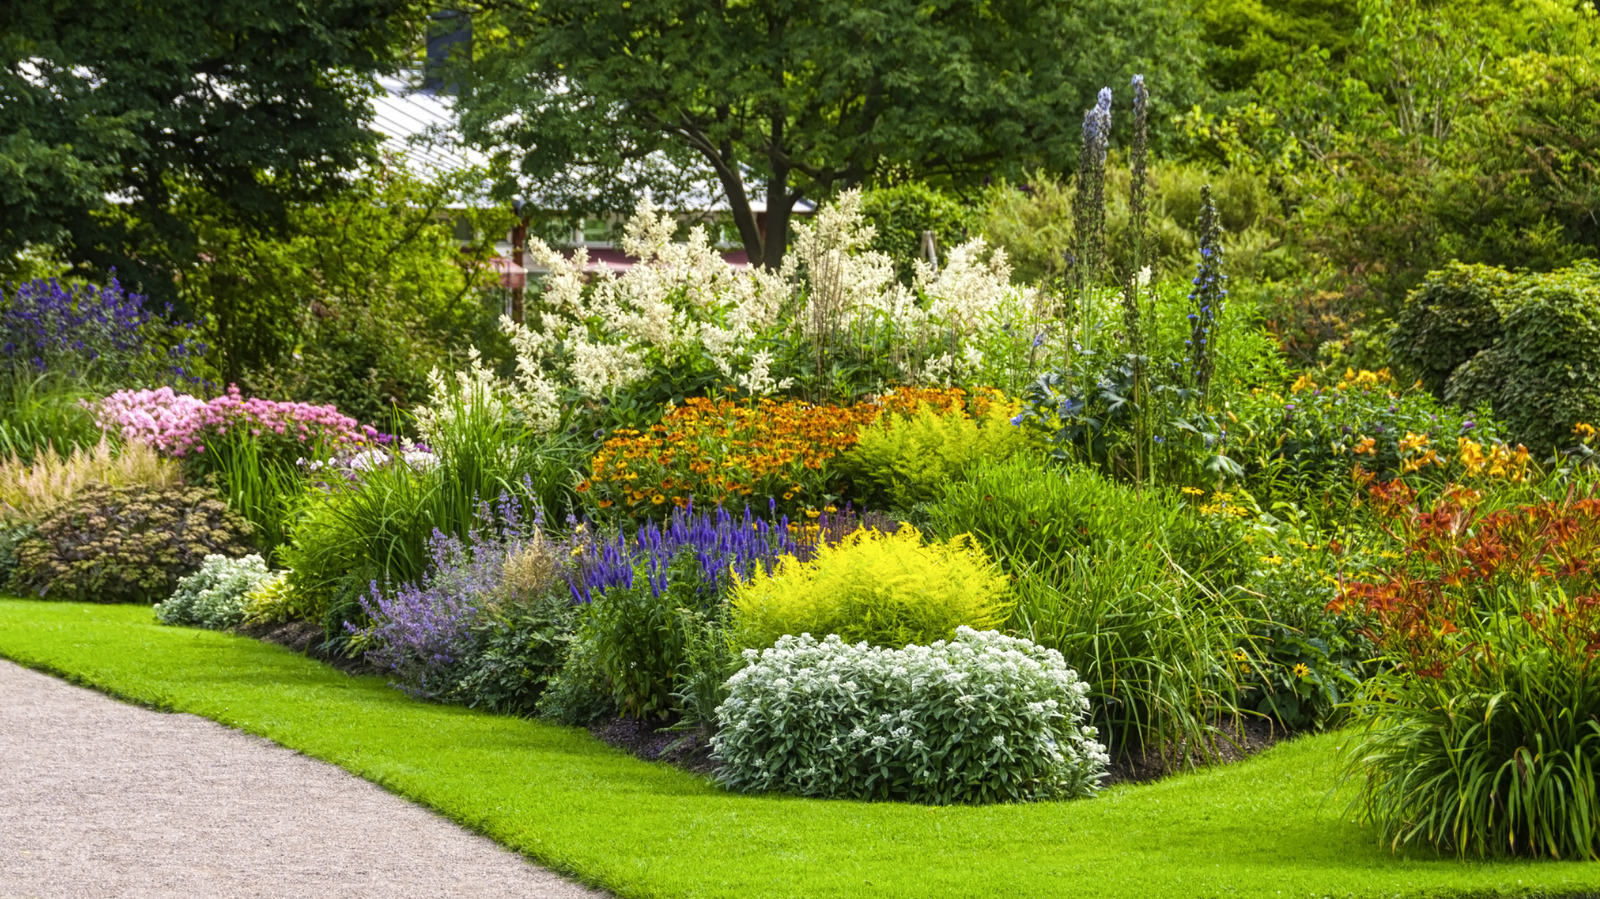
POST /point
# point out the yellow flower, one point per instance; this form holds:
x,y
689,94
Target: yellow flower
x,y
658,499
1585,431
1240,655
1365,446
1302,384
1413,441
1301,671
1194,491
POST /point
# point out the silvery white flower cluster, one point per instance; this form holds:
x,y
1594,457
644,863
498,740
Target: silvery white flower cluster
x,y
981,718
214,596
597,333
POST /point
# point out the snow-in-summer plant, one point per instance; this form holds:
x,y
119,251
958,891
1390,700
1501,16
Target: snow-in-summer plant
x,y
981,718
596,334
215,596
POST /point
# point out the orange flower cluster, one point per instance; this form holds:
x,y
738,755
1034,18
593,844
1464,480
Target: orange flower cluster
x,y
1459,565
723,452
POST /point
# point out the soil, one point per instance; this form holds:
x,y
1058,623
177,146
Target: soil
x,y
1240,739
307,639
688,750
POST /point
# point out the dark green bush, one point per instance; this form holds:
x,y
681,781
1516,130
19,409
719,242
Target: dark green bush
x,y
519,649
1457,312
901,213
127,544
1542,375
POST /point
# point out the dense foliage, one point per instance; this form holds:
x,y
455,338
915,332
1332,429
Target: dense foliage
x,y
126,544
217,595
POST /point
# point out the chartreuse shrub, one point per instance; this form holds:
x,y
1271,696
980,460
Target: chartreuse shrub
x,y
881,589
1128,586
1451,317
907,458
980,718
1483,726
127,544
216,596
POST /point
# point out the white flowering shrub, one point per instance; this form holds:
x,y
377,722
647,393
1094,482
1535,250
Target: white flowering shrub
x,y
981,718
594,334
214,597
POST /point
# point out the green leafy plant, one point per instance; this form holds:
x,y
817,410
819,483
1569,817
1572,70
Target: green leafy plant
x,y
217,596
1483,728
881,589
638,638
906,459
1130,588
127,544
981,718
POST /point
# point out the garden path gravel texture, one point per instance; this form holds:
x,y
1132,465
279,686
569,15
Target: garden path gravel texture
x,y
101,799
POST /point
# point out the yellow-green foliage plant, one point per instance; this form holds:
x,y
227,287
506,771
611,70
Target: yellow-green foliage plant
x,y
883,589
28,490
902,460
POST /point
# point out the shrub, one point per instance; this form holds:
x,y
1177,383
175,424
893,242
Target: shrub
x,y
127,544
884,589
1541,376
272,601
28,490
719,452
1453,315
981,718
1483,729
216,596
1130,588
906,459
899,215
43,413
639,640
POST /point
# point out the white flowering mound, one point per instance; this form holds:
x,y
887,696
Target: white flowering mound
x,y
597,333
215,596
981,718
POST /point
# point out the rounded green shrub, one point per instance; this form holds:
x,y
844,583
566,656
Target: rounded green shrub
x,y
1455,314
981,718
901,213
873,587
127,544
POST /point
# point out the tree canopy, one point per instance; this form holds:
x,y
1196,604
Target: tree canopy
x,y
107,108
784,99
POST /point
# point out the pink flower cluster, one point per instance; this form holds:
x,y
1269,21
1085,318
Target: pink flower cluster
x,y
179,424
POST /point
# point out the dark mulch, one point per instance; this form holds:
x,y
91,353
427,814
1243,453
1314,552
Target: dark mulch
x,y
307,639
685,749
1239,740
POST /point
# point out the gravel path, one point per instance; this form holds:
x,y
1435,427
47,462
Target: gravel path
x,y
102,799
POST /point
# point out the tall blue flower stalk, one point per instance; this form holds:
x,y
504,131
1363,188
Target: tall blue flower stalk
x,y
94,332
1089,197
722,544
1207,298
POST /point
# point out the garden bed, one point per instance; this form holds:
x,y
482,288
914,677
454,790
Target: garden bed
x,y
1268,826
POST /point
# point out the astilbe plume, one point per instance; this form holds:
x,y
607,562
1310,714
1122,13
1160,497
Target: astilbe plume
x,y
419,632
84,330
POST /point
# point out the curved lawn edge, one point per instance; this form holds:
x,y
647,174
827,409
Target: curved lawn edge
x,y
1265,827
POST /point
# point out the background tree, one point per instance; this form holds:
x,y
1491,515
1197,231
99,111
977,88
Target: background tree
x,y
109,109
784,100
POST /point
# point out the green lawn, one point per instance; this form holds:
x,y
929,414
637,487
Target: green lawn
x,y
1267,827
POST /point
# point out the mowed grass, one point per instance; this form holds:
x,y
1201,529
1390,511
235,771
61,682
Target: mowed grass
x,y
1268,827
